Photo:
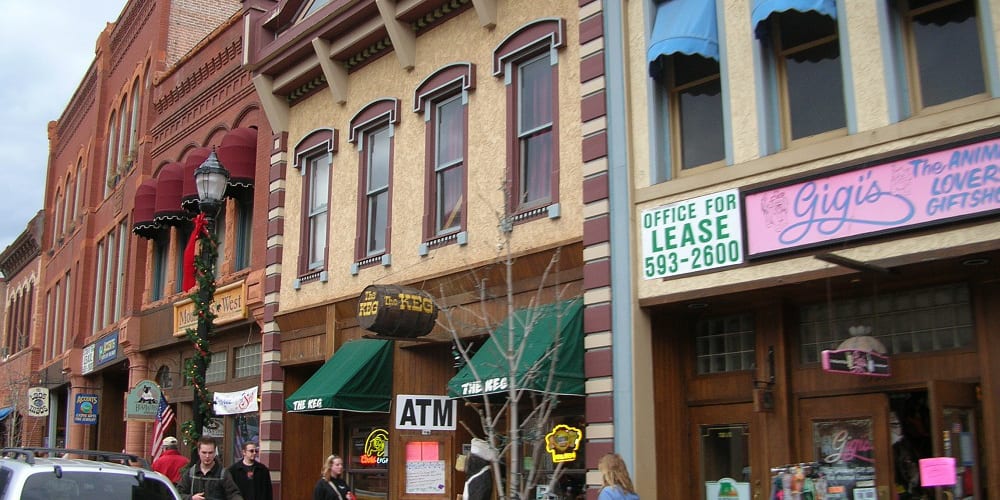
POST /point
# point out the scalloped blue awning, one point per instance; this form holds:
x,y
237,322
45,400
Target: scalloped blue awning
x,y
762,9
685,26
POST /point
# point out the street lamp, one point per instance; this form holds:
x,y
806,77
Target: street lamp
x,y
210,178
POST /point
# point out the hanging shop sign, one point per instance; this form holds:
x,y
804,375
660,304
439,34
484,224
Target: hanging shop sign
x,y
229,304
563,442
233,403
143,401
425,413
85,409
692,235
914,191
107,349
396,311
38,402
856,362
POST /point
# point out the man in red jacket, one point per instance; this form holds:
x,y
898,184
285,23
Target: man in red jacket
x,y
170,462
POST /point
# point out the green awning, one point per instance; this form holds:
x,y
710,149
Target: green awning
x,y
358,377
548,333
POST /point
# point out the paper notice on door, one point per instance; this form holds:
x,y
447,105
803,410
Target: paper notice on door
x,y
425,476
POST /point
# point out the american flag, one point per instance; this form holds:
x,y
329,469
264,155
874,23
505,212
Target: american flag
x,y
164,417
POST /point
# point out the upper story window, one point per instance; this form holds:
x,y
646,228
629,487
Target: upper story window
x,y
111,175
940,37
803,69
443,99
313,158
372,130
134,122
683,57
312,6
528,62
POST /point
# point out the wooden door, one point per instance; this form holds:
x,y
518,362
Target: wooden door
x,y
721,451
848,436
954,408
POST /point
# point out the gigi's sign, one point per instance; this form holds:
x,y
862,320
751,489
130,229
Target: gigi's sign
x,y
918,190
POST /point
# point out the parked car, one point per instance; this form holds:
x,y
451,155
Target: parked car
x,y
66,474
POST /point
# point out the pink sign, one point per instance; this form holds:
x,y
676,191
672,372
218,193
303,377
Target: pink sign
x,y
938,471
922,189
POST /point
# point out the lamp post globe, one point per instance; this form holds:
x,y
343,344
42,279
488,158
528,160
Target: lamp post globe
x,y
210,179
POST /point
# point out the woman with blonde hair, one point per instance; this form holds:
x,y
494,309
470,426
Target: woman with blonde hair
x,y
331,484
616,483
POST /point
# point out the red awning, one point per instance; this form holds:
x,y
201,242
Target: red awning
x,y
143,223
170,182
238,153
189,192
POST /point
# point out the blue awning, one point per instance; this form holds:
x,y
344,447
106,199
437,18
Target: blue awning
x,y
762,9
685,26
5,412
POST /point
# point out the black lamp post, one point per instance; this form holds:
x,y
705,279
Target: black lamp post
x,y
210,178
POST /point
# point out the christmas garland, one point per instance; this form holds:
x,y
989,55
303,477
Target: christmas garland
x,y
202,297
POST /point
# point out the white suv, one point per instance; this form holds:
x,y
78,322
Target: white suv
x,y
36,474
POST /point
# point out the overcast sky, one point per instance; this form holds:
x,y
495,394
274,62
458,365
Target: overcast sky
x,y
45,48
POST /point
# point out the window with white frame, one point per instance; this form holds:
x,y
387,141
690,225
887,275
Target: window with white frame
x,y
216,371
314,159
246,361
372,131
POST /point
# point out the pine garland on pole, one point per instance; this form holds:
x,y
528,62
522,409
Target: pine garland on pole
x,y
202,297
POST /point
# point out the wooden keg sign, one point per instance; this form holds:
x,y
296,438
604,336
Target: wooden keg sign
x,y
396,311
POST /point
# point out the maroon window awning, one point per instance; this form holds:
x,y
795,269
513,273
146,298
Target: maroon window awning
x,y
170,183
238,153
189,192
143,222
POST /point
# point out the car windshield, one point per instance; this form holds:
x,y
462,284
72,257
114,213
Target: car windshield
x,y
93,485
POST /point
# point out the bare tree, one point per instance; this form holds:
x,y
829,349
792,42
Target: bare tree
x,y
518,416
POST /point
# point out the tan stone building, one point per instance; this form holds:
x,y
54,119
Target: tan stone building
x,y
416,143
811,292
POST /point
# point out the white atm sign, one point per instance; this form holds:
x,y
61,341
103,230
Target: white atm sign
x,y
692,235
431,413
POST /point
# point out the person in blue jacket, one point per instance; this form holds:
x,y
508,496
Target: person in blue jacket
x,y
616,483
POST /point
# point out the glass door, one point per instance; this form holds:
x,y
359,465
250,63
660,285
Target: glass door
x,y
721,445
848,438
953,409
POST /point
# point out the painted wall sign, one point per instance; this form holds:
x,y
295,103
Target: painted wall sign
x,y
143,401
919,190
692,235
85,409
38,402
432,413
396,311
563,442
229,304
106,349
856,362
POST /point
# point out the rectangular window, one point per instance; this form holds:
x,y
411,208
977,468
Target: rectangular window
x,y
216,371
725,344
247,361
120,272
449,161
244,233
98,275
317,174
922,320
941,37
161,259
534,131
57,327
181,237
807,65
49,326
220,238
185,377
692,88
68,290
377,154
107,279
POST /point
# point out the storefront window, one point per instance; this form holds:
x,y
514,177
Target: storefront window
x,y
246,428
921,320
725,461
368,460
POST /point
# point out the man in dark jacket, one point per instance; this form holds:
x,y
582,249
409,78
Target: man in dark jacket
x,y
208,479
170,462
251,476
